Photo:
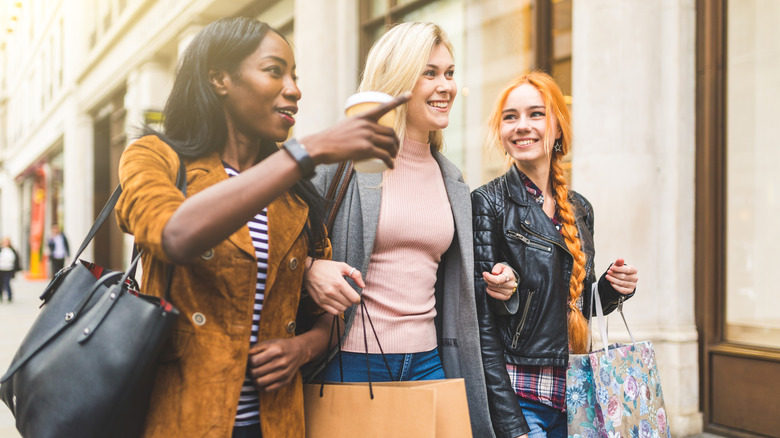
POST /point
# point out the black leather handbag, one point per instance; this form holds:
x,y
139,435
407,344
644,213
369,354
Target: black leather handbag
x,y
86,366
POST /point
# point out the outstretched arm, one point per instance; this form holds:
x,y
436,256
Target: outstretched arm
x,y
213,214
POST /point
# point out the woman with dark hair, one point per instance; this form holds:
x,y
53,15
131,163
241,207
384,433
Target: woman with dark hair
x,y
245,236
529,218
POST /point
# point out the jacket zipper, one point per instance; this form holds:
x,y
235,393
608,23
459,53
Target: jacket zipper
x,y
527,241
516,339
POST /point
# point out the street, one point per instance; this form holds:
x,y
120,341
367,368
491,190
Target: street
x,y
15,319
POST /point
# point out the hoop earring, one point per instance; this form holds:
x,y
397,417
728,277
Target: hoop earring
x,y
558,145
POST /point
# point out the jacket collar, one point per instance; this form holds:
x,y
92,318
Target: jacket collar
x,y
530,215
515,188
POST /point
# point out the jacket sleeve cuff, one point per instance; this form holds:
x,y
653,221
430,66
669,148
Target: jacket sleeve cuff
x,y
508,307
515,432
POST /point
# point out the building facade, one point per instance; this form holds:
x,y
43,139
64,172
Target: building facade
x,y
671,101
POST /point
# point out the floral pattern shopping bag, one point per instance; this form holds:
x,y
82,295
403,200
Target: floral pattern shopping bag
x,y
615,392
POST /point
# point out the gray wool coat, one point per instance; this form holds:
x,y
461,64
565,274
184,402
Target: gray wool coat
x,y
352,239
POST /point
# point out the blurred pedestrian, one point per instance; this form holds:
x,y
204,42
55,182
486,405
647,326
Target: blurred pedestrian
x,y
58,249
529,218
9,265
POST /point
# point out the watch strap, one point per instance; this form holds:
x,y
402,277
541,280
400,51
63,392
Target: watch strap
x,y
298,152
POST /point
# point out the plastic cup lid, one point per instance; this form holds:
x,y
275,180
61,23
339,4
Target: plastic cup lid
x,y
368,96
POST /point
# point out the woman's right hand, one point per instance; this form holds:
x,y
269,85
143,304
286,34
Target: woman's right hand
x,y
324,280
358,137
501,282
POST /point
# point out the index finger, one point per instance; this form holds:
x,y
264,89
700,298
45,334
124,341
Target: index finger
x,y
378,111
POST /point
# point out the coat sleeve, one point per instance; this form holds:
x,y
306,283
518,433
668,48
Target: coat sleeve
x,y
17,262
505,412
147,172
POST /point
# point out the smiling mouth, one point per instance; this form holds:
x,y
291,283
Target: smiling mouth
x,y
288,115
524,142
439,105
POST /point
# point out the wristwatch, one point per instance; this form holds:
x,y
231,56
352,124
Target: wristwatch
x,y
298,152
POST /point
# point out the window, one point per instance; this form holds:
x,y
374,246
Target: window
x,y
494,42
752,180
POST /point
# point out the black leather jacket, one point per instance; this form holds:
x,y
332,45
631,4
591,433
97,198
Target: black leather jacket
x,y
530,328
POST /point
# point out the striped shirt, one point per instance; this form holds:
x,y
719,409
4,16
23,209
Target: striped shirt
x,y
248,411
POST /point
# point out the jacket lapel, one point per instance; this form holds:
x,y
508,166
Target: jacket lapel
x,y
370,190
214,172
459,196
286,219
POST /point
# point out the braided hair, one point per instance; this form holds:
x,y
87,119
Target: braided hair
x,y
558,120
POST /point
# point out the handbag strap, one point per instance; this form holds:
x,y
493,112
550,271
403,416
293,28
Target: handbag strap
x,y
335,193
181,184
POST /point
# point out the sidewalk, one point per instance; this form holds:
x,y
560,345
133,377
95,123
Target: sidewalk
x,y
15,319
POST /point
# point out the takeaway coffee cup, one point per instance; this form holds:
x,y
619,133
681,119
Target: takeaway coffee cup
x,y
362,102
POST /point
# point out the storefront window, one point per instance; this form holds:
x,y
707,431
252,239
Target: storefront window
x,y
752,179
494,42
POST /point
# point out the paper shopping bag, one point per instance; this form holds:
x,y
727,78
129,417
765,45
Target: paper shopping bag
x,y
628,391
615,391
583,413
419,409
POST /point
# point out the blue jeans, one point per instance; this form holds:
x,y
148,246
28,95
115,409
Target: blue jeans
x,y
544,421
409,366
5,284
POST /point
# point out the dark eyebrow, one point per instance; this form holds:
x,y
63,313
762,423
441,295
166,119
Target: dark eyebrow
x,y
277,59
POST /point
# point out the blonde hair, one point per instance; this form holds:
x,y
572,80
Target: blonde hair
x,y
395,63
556,111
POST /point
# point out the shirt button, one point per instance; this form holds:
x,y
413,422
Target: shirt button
x,y
291,327
293,263
208,254
198,318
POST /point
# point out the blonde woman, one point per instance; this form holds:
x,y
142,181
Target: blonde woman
x,y
408,230
529,218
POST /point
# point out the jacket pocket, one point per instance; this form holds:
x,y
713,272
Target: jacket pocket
x,y
527,297
176,346
517,236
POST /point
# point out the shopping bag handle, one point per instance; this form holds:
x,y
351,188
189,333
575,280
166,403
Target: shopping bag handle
x,y
601,320
335,325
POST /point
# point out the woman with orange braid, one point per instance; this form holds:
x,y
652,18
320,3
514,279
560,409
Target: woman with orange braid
x,y
529,219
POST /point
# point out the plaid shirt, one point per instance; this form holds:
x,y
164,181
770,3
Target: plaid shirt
x,y
544,384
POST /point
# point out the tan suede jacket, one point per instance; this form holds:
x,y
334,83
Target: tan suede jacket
x,y
199,379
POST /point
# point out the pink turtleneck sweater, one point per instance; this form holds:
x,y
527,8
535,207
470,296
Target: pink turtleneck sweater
x,y
415,228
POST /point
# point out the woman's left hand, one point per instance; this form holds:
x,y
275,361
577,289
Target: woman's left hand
x,y
273,363
622,277
501,282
